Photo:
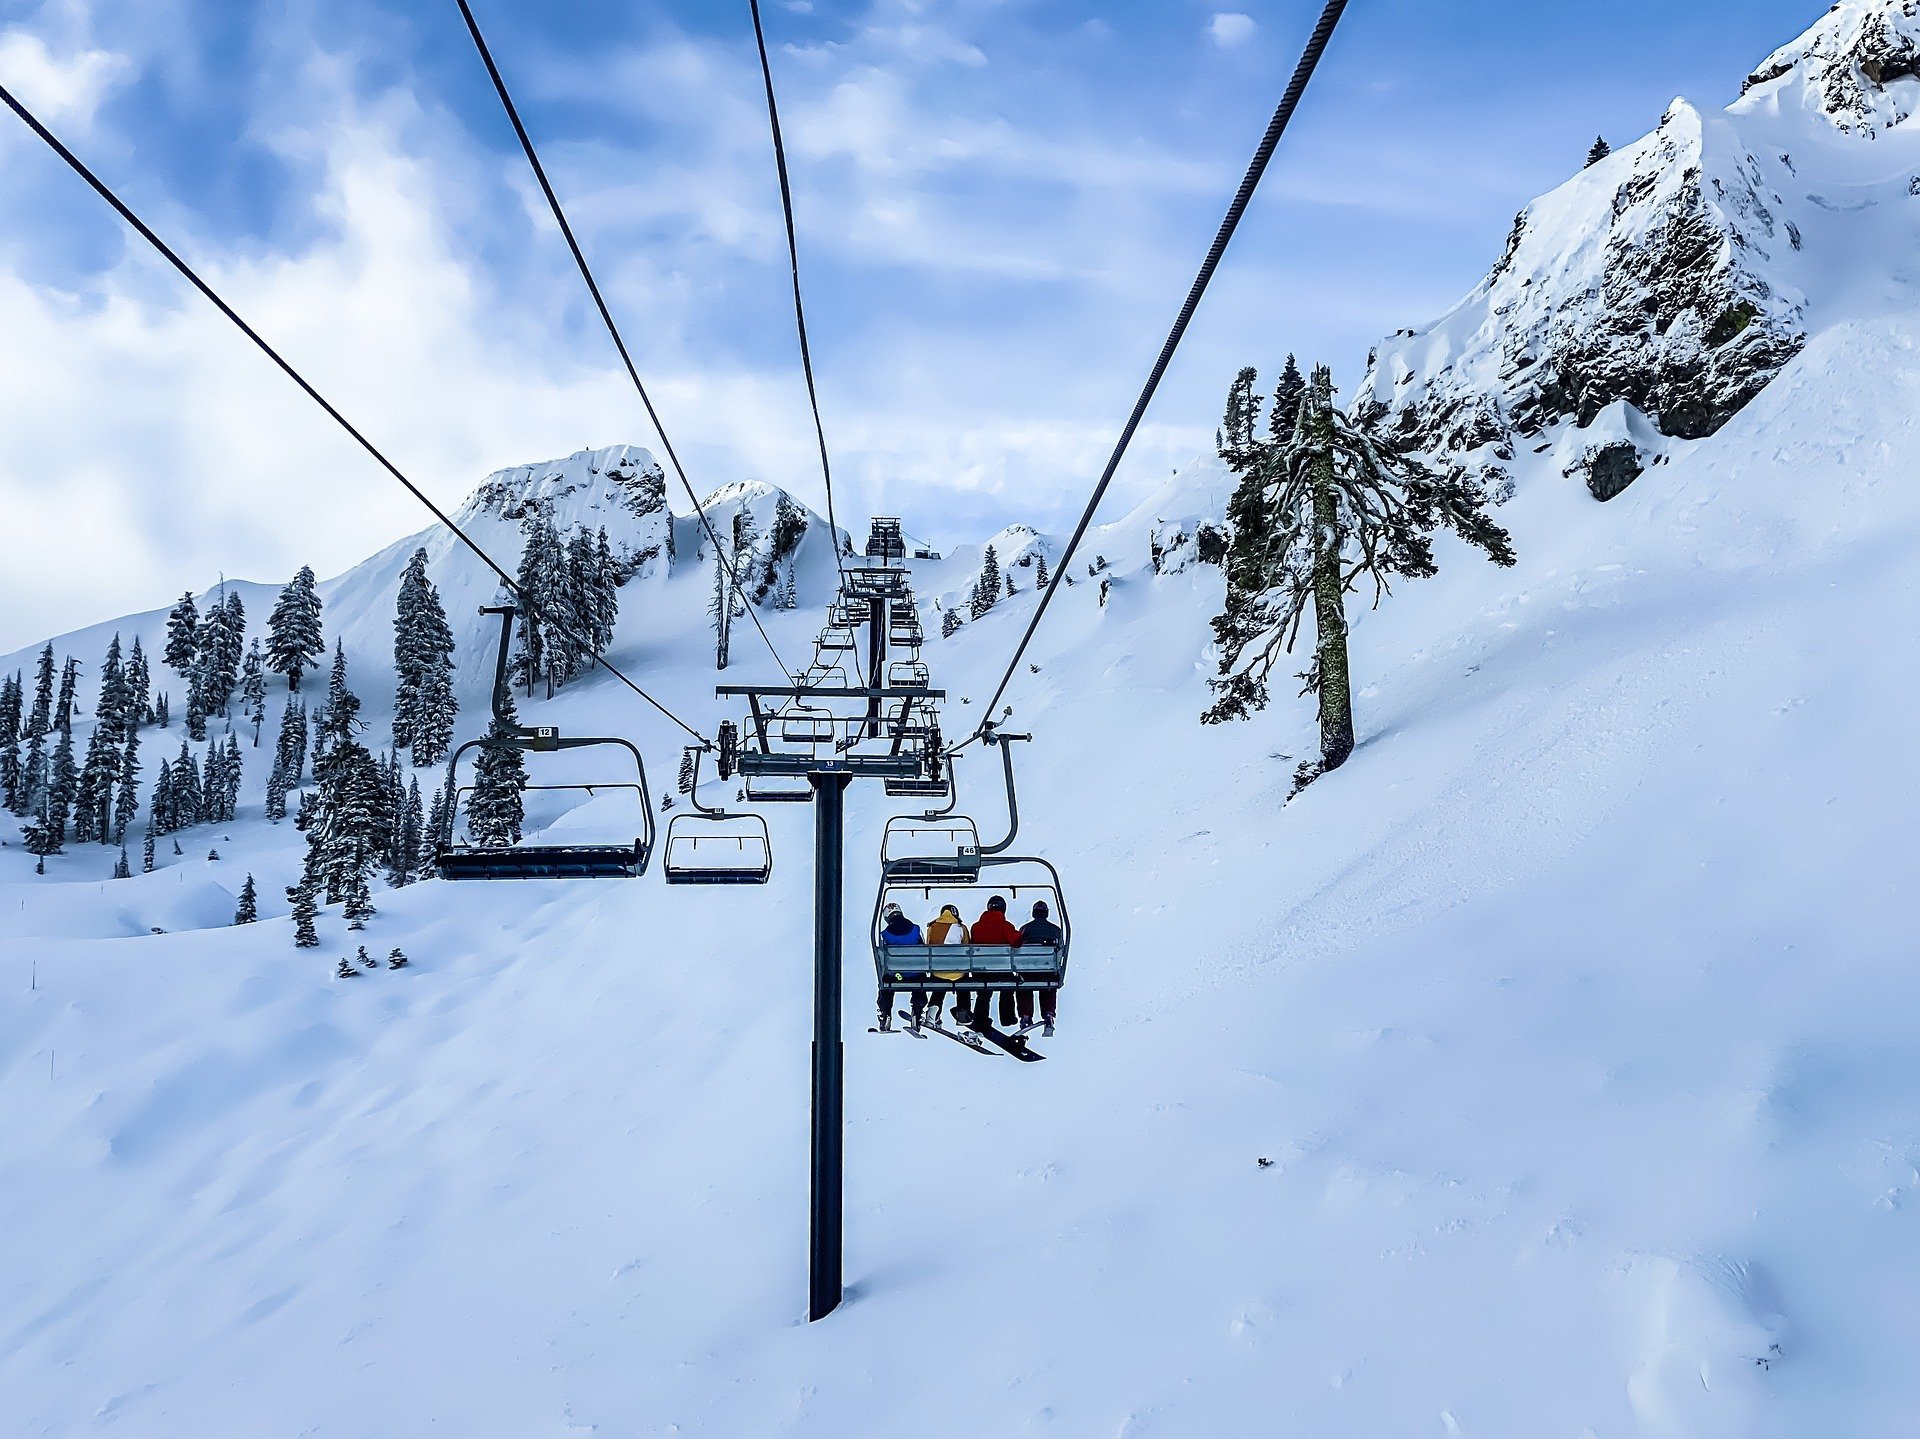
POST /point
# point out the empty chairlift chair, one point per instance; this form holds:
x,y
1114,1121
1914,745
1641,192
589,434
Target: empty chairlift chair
x,y
461,855
711,847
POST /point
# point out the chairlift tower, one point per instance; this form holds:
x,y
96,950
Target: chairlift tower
x,y
829,776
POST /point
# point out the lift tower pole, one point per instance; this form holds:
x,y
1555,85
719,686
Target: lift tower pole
x,y
756,753
829,1051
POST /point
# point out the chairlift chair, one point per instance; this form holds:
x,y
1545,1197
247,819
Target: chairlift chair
x,y
709,846
908,675
835,639
457,857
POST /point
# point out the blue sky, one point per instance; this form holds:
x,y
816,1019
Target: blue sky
x,y
1001,203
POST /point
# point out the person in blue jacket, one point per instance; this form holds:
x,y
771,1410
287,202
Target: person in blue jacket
x,y
895,929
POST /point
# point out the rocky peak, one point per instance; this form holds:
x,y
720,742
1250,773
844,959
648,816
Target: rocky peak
x,y
1859,67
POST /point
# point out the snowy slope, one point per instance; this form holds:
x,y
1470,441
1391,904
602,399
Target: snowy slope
x,y
1573,1017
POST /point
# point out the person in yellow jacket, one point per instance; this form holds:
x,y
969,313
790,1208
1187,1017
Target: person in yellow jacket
x,y
949,928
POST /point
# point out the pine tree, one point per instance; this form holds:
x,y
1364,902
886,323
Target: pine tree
x,y
495,807
41,837
403,859
432,833
183,629
122,867
33,775
1040,572
539,583
11,774
305,910
126,805
69,683
684,782
344,823
139,685
358,908
290,751
186,801
162,716
40,718
249,909
112,709
723,607
789,591
986,591
146,850
63,781
424,706
218,651
294,643
396,959
253,690
161,814
950,623
1601,149
93,793
275,807
1343,508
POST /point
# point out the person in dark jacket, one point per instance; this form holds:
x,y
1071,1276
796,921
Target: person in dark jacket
x,y
895,929
1035,933
992,928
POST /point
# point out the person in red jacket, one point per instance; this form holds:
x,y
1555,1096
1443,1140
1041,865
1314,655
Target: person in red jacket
x,y
993,927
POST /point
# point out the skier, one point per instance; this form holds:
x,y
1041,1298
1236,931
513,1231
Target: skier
x,y
895,929
992,928
1036,932
949,928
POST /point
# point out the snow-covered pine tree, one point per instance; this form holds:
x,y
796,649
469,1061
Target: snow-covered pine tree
x,y
218,651
290,751
41,837
11,773
12,707
495,805
684,782
789,598
423,704
248,909
93,792
253,690
126,805
306,909
403,859
344,823
538,582
33,775
162,712
123,867
183,632
1601,149
1345,508
111,706
294,643
358,907
187,801
235,772
275,807
1040,575
431,832
63,711
63,780
139,685
40,717
146,850
950,623
986,590
160,817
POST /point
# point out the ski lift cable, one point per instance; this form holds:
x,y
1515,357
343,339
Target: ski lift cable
x,y
1289,102
613,329
187,272
799,306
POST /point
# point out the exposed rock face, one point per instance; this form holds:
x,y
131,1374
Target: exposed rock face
x,y
621,488
1677,276
1851,66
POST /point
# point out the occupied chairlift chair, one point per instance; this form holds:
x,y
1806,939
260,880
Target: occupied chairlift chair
x,y
456,858
955,868
711,846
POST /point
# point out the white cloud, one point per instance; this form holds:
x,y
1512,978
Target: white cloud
x,y
64,89
1230,28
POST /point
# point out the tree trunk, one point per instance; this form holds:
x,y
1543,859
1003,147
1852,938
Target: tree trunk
x,y
1330,616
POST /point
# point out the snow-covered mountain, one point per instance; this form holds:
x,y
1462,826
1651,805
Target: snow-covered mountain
x,y
1546,1070
1651,297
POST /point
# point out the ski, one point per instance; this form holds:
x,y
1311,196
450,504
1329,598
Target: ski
x,y
958,1036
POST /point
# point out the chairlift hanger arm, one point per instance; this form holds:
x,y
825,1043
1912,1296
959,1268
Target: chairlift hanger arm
x,y
1005,743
